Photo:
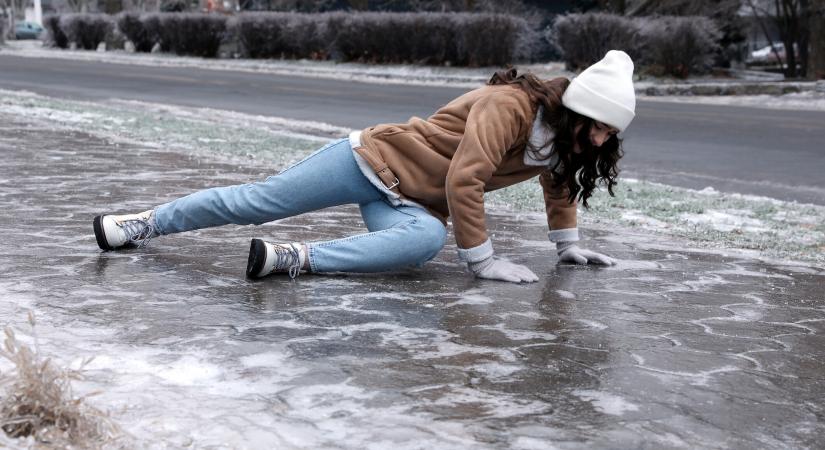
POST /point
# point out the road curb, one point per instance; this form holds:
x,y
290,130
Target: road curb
x,y
733,89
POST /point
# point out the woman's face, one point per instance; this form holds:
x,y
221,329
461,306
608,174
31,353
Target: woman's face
x,y
599,134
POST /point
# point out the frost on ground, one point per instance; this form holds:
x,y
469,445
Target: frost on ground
x,y
190,354
708,219
802,101
227,135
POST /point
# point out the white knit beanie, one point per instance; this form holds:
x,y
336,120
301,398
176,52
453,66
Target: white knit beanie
x,y
604,91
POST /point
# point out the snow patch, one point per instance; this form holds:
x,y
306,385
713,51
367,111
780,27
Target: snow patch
x,y
606,403
565,294
729,220
802,101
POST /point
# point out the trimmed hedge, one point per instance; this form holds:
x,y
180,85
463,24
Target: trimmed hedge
x,y
192,34
184,34
680,46
585,38
424,38
86,31
55,37
465,39
676,46
664,45
283,35
134,30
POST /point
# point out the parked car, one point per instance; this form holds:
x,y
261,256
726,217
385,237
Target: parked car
x,y
766,54
27,30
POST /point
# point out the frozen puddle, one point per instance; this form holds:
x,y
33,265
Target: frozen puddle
x,y
606,403
673,347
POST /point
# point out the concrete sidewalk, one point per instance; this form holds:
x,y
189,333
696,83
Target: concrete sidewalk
x,y
672,348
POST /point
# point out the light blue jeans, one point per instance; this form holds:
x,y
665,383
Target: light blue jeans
x,y
399,236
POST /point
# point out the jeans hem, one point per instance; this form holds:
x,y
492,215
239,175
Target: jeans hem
x,y
154,222
311,247
311,256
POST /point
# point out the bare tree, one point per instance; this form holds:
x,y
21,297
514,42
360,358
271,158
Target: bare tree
x,y
816,28
81,6
13,11
791,18
614,6
725,13
358,5
7,16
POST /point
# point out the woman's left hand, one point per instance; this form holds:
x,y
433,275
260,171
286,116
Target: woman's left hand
x,y
572,253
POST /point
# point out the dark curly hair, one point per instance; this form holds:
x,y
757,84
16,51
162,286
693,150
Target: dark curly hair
x,y
579,172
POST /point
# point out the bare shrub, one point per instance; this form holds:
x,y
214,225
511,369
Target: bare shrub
x,y
375,37
424,38
87,31
583,39
193,34
663,45
196,34
679,46
434,35
433,38
115,39
154,29
489,39
283,35
54,34
352,43
135,31
37,401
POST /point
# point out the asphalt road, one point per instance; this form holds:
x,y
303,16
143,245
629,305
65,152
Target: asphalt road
x,y
748,150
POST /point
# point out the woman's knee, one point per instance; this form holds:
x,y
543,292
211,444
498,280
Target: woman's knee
x,y
427,239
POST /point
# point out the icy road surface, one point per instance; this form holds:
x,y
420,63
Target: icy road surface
x,y
672,348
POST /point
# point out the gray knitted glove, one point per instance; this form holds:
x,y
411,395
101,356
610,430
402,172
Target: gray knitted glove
x,y
499,269
572,253
481,262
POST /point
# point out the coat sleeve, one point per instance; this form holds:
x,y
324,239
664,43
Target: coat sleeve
x,y
493,126
561,212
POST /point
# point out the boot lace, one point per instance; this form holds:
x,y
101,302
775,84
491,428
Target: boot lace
x,y
139,231
287,259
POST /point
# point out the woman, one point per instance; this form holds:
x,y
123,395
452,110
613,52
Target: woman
x,y
408,178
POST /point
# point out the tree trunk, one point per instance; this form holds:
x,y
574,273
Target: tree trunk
x,y
816,27
5,16
787,17
359,5
12,20
804,36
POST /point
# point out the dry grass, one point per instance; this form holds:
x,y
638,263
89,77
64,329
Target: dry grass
x,y
37,402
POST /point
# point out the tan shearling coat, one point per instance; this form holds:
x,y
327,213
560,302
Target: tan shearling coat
x,y
474,144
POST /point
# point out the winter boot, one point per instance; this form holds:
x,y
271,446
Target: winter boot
x,y
130,230
268,257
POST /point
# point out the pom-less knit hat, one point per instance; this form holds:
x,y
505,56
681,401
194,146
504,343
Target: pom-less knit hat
x,y
604,91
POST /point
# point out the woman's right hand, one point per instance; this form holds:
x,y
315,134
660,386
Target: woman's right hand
x,y
499,269
572,253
